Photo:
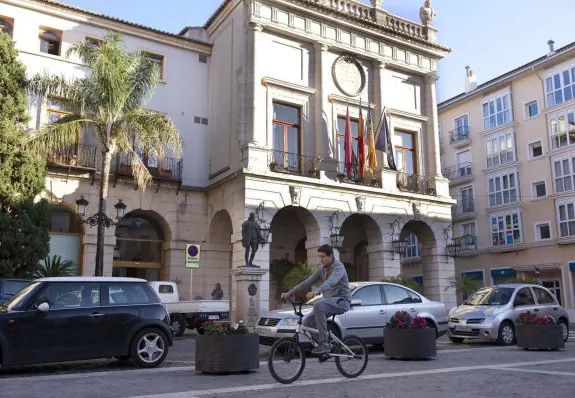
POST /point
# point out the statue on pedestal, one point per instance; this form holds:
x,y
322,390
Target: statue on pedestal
x,y
251,238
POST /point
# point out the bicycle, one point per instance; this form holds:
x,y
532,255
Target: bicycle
x,y
350,347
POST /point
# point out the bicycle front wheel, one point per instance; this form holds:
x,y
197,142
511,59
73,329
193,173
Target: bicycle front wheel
x,y
286,360
353,359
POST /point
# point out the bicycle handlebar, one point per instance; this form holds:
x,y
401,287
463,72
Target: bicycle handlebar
x,y
294,304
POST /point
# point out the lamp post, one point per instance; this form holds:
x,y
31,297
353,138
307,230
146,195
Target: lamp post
x,y
265,229
335,237
397,244
452,249
97,219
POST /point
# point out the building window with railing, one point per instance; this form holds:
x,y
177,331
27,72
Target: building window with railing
x,y
354,124
562,128
564,172
463,167
560,85
466,203
500,149
461,129
50,41
411,247
286,136
566,217
6,25
503,188
506,228
405,156
496,111
468,238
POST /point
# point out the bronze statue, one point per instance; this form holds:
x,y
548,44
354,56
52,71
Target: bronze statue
x,y
251,238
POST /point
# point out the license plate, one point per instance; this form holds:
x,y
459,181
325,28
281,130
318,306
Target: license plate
x,y
213,317
263,331
461,328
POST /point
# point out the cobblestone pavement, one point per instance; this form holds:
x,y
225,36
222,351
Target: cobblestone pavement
x,y
478,369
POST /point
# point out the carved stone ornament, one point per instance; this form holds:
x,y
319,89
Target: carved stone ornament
x,y
376,3
427,13
348,75
416,211
294,193
252,289
360,202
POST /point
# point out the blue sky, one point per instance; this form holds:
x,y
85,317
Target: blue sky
x,y
492,36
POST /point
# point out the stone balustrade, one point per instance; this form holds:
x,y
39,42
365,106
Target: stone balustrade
x,y
405,26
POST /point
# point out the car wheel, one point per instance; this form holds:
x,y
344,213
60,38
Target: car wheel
x,y
149,348
564,329
431,324
178,325
456,340
506,335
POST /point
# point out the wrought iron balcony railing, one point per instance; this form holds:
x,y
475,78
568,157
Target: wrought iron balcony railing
x,y
294,163
468,242
416,183
459,134
78,156
464,206
355,177
456,172
169,169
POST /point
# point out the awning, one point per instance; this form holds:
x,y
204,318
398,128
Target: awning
x,y
572,267
502,272
478,275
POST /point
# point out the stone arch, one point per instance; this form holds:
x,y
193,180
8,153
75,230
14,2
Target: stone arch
x,y
66,234
361,234
142,236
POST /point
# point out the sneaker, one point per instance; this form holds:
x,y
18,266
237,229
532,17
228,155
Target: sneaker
x,y
323,348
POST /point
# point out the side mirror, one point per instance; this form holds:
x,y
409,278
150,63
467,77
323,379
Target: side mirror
x,y
44,307
355,302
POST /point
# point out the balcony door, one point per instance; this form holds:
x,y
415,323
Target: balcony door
x,y
287,137
405,152
464,163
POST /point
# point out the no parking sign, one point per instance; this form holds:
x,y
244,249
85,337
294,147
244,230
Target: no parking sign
x,y
192,255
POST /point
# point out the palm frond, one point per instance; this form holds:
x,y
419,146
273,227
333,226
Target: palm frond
x,y
43,86
144,77
54,267
60,134
142,176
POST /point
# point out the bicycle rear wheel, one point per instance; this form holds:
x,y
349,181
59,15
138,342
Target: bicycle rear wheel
x,y
351,366
286,360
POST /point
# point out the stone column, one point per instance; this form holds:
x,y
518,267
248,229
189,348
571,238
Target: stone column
x,y
438,276
322,105
434,163
247,294
256,126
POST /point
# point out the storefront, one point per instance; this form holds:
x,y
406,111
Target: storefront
x,y
503,275
66,236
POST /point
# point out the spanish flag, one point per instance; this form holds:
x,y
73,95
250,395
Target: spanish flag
x,y
372,160
361,145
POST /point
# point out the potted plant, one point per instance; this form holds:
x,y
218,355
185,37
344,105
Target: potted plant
x,y
538,332
226,348
409,338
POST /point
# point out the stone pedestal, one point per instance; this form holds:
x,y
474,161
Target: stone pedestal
x,y
246,300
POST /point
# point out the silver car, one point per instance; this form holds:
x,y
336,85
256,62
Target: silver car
x,y
373,303
490,313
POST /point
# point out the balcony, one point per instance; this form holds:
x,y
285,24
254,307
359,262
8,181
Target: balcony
x,y
75,156
468,242
416,183
465,208
355,177
169,170
459,173
293,163
460,137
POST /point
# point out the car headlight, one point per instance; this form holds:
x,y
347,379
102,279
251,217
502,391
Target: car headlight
x,y
288,322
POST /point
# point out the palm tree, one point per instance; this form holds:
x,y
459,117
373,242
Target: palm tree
x,y
54,267
108,103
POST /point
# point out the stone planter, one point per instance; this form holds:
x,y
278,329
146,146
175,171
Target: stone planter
x,y
540,337
410,343
227,354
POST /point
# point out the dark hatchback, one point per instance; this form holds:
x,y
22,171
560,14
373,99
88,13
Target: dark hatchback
x,y
82,318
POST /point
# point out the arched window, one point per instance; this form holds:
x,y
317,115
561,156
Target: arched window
x,y
6,25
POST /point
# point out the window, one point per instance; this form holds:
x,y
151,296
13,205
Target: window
x,y
535,149
197,119
71,295
506,228
158,60
50,41
560,86
524,297
414,297
543,296
463,163
341,139
503,188
405,152
563,170
6,25
286,136
128,293
496,111
555,288
531,109
466,202
468,229
542,231
166,289
205,121
369,295
461,131
57,108
203,58
500,149
396,295
94,43
411,247
566,215
538,189
562,129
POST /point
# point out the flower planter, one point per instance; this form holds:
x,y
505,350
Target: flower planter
x,y
410,343
227,354
540,337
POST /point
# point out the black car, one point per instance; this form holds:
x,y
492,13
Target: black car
x,y
81,318
9,287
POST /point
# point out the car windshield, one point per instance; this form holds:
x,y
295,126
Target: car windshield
x,y
9,288
491,296
17,299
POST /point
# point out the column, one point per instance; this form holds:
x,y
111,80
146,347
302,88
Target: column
x,y
322,122
438,275
434,164
257,107
247,295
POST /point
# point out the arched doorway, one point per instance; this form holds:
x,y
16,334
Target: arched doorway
x,y
139,246
359,231
217,259
66,232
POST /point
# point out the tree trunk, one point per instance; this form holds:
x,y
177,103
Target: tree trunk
x,y
106,161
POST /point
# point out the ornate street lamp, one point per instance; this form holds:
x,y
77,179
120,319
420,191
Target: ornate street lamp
x,y
265,229
452,249
397,244
335,237
99,218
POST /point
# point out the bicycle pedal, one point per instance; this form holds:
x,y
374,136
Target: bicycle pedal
x,y
323,358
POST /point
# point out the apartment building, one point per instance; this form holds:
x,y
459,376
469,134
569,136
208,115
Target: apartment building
x,y
260,94
507,149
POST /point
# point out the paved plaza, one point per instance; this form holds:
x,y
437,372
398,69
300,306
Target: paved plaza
x,y
479,369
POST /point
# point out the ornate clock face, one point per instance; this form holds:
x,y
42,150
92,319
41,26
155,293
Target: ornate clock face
x,y
348,75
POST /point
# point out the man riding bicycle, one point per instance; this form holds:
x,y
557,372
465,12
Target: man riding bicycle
x,y
336,294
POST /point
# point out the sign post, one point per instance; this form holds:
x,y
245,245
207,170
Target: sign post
x,y
192,261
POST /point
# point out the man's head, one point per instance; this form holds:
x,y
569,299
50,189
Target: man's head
x,y
252,217
325,253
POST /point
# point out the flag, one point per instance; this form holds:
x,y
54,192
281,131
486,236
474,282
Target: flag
x,y
384,141
372,159
361,145
347,149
